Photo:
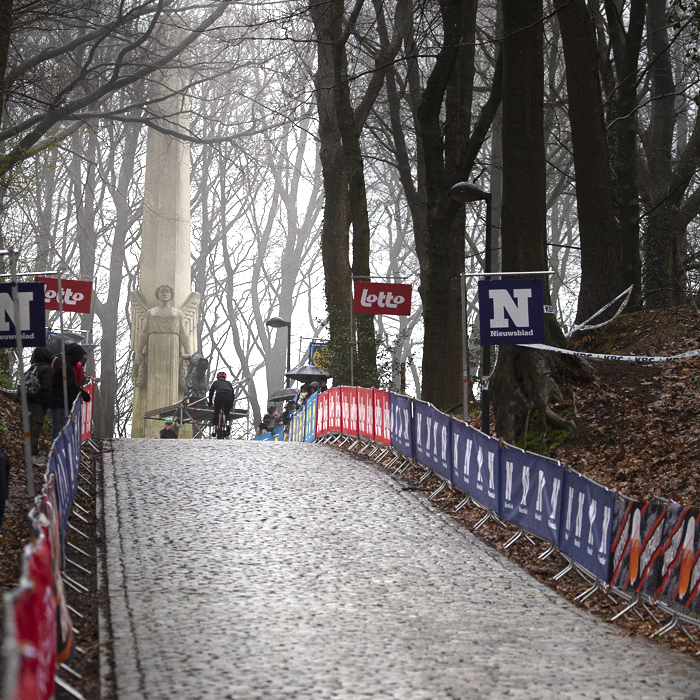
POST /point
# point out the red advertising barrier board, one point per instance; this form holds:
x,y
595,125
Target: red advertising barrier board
x,y
86,415
322,414
335,423
32,653
77,295
365,413
382,413
349,410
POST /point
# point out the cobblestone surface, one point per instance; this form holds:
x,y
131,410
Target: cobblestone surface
x,y
249,570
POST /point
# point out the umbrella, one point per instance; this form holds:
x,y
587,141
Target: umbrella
x,y
307,373
281,395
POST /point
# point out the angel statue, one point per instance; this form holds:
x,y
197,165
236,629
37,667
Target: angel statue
x,y
161,335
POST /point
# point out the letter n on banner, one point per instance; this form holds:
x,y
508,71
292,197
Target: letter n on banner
x,y
349,410
365,405
382,418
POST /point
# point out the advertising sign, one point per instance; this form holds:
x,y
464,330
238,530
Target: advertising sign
x,y
382,418
511,312
365,412
310,418
31,658
401,424
431,430
475,459
680,569
531,492
637,541
349,410
335,424
31,315
77,294
586,524
322,414
318,354
382,298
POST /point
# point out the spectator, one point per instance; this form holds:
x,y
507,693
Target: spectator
x,y
38,400
289,409
301,396
314,387
263,425
170,431
74,354
323,385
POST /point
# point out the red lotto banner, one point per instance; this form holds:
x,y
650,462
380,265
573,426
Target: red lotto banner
x,y
86,414
77,295
382,412
349,410
382,298
365,413
322,414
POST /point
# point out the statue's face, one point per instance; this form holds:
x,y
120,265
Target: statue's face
x,y
164,294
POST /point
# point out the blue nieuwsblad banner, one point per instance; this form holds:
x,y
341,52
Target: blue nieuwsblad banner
x,y
431,431
402,424
31,315
531,492
511,312
310,418
475,458
586,524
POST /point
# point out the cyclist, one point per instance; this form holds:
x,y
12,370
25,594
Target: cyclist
x,y
221,397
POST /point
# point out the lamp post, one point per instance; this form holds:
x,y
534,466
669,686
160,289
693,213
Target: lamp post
x,y
468,192
277,322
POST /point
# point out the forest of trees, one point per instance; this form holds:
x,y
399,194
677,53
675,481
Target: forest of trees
x,y
325,136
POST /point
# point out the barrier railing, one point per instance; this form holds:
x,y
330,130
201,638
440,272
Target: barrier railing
x,y
38,628
647,554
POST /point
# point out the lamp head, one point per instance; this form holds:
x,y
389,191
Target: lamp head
x,y
467,192
277,322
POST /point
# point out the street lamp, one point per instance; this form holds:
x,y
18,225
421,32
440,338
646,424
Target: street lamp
x,y
468,192
277,322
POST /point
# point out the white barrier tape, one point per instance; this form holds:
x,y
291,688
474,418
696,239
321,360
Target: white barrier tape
x,y
624,358
584,327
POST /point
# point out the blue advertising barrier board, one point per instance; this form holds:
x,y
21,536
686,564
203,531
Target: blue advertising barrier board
x,y
431,431
310,418
401,424
531,492
586,524
475,459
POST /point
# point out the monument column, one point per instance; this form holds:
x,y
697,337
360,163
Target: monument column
x,y
164,310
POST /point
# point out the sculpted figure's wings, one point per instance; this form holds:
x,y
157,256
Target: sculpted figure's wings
x,y
139,316
190,310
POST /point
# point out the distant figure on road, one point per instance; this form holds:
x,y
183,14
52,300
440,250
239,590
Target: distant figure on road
x,y
170,431
74,356
38,393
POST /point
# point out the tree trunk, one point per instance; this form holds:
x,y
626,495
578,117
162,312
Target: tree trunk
x,y
601,258
523,378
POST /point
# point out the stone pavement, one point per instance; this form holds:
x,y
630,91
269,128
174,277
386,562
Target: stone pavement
x,y
249,570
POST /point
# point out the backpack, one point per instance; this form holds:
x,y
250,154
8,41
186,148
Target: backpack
x,y
31,381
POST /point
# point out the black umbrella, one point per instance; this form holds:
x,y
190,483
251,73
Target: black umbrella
x,y
281,395
307,373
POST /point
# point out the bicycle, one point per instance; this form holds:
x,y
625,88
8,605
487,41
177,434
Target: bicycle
x,y
222,428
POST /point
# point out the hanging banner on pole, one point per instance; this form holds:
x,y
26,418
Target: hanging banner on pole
x,y
511,312
77,294
31,315
382,298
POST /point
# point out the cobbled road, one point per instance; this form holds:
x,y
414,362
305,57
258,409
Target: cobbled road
x,y
250,570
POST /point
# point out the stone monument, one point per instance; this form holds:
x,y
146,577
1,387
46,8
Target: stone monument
x,y
164,310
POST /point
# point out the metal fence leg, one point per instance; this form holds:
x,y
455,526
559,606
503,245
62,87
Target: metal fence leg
x,y
425,476
440,488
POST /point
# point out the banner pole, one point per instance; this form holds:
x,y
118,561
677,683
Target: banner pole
x,y
352,341
20,366
63,347
465,360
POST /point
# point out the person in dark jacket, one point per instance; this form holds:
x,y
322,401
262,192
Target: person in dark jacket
x,y
170,430
221,395
74,354
39,403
